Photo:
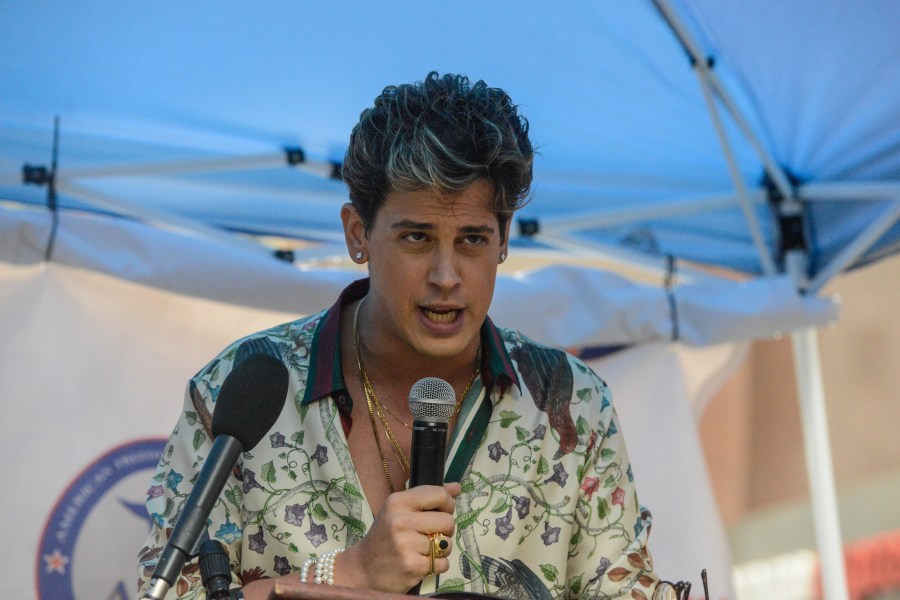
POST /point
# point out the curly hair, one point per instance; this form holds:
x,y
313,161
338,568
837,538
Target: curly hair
x,y
440,134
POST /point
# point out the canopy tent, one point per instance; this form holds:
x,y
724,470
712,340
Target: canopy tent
x,y
155,119
783,156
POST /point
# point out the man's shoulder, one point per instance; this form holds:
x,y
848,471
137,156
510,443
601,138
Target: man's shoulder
x,y
290,342
529,354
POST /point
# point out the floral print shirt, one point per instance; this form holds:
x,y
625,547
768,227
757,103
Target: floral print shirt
x,y
548,507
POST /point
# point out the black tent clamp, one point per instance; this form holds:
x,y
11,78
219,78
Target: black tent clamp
x,y
791,220
41,176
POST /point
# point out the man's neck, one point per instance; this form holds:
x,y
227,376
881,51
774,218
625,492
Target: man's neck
x,y
393,367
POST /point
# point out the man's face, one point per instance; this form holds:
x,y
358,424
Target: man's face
x,y
433,264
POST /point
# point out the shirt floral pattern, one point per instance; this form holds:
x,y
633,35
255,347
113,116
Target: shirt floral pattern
x,y
548,507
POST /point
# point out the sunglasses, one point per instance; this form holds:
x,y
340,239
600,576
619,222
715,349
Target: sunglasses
x,y
680,590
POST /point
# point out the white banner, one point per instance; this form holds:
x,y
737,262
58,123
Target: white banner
x,y
92,376
92,373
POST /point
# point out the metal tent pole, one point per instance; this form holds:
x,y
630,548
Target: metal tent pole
x,y
776,173
805,344
566,224
857,247
160,217
811,392
293,157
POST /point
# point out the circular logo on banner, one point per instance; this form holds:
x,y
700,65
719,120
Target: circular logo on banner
x,y
89,547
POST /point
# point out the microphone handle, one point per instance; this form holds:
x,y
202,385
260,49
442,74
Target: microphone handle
x,y
184,541
215,570
429,449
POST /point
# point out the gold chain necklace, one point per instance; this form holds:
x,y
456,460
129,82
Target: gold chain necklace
x,y
390,412
375,406
369,393
459,401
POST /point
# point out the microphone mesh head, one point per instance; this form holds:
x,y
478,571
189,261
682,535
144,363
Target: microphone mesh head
x,y
433,400
250,400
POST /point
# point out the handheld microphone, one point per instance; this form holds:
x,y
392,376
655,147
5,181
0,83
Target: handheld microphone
x,y
248,404
431,402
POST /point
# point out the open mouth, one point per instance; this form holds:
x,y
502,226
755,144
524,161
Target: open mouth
x,y
441,316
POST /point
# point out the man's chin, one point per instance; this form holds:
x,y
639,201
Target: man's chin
x,y
447,349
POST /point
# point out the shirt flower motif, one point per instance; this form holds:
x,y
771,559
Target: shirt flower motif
x,y
173,480
228,532
250,481
496,451
550,535
504,525
320,455
257,542
316,534
602,566
522,505
559,475
589,486
294,514
282,566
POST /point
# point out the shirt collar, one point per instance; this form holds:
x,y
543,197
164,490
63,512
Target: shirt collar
x,y
327,378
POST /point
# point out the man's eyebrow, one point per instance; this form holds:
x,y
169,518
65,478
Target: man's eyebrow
x,y
409,224
470,229
466,229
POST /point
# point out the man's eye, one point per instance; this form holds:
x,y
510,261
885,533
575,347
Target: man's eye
x,y
414,236
475,239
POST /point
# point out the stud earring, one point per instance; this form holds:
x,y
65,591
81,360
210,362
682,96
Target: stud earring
x,y
502,256
359,256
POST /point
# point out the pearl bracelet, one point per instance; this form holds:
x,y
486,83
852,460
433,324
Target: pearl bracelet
x,y
325,567
304,570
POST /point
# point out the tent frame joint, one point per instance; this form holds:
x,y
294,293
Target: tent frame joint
x,y
792,226
35,175
294,155
528,227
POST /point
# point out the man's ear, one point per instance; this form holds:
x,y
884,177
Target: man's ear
x,y
504,241
354,233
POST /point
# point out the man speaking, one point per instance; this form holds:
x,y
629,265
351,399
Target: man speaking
x,y
538,500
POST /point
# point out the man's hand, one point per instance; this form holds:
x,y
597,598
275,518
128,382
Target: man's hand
x,y
396,553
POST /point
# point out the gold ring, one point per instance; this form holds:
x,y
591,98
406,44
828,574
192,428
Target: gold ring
x,y
440,547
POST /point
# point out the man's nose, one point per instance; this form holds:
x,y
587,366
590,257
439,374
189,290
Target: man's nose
x,y
444,272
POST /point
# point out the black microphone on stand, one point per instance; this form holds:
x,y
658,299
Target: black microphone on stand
x,y
431,402
215,570
248,404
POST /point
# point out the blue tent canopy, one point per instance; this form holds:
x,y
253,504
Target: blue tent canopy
x,y
187,109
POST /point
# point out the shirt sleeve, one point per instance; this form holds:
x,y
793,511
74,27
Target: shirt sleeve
x,y
179,466
608,552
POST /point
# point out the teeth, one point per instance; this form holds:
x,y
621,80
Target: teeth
x,y
444,317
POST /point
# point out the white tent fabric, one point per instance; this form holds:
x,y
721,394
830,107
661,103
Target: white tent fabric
x,y
565,306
